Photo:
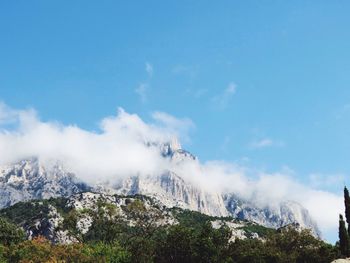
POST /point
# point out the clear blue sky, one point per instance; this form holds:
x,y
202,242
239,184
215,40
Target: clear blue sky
x,y
266,81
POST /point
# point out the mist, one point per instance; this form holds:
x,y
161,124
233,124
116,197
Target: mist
x,y
124,145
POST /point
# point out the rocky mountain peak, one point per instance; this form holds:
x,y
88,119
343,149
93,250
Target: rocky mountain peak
x,y
29,179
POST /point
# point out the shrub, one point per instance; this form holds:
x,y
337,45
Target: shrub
x,y
10,233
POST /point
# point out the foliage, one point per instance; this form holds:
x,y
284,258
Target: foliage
x,y
10,233
142,238
262,231
191,218
23,212
344,231
286,246
178,243
104,231
347,204
343,237
41,250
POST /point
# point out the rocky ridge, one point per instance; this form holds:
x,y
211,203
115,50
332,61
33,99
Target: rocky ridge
x,y
52,218
30,179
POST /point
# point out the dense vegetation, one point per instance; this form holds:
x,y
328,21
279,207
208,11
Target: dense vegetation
x,y
192,240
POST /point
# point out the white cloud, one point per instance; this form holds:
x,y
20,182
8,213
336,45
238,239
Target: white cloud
x,y
265,142
269,189
120,149
11,116
141,90
143,87
178,127
6,114
149,69
222,100
327,181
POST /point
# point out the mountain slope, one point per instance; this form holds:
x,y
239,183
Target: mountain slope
x,y
73,219
30,179
173,191
285,213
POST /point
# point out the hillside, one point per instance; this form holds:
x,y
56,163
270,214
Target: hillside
x,y
74,219
95,227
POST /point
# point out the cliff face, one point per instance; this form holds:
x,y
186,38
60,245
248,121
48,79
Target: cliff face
x,y
28,179
173,191
286,213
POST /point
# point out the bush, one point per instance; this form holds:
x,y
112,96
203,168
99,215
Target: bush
x,y
10,233
41,250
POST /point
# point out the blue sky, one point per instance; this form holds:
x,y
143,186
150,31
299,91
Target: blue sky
x,y
265,82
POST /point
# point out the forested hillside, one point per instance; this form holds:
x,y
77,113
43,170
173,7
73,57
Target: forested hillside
x,y
98,228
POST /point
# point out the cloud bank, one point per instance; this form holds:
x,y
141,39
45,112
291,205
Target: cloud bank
x,y
120,148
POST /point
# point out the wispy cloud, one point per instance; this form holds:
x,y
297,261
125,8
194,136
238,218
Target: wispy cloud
x,y
179,126
7,115
149,69
223,99
265,142
141,90
327,181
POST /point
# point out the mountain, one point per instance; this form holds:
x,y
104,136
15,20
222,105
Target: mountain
x,y
287,212
173,191
30,179
75,219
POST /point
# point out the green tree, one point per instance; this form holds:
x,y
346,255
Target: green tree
x,y
140,238
288,245
177,246
10,233
103,252
201,243
347,207
343,237
107,225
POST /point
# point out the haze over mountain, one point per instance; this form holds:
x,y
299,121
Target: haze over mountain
x,y
130,155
